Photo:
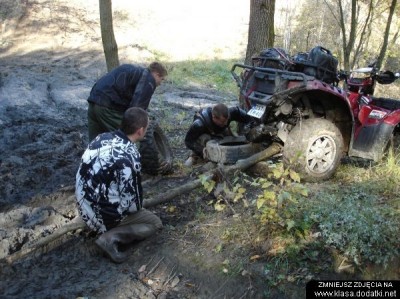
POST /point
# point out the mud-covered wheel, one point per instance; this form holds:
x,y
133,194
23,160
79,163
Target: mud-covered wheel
x,y
155,151
314,149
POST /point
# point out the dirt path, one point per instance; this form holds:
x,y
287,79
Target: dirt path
x,y
41,144
50,57
42,138
41,150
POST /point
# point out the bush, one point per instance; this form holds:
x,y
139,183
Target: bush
x,y
358,224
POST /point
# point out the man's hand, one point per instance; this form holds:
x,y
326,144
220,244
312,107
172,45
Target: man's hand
x,y
205,154
252,124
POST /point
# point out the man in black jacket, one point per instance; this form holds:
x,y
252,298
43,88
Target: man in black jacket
x,y
211,123
124,87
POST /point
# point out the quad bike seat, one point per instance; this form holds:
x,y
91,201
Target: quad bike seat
x,y
386,103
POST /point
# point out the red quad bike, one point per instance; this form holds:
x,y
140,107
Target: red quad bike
x,y
296,101
376,120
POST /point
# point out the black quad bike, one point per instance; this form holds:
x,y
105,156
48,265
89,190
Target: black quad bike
x,y
296,101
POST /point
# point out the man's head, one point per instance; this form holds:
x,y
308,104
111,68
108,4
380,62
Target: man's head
x,y
220,115
158,71
134,123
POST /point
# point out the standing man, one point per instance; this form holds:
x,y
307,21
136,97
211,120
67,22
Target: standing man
x,y
108,187
125,86
211,123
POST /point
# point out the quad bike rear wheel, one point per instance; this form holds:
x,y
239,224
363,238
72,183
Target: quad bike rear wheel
x,y
314,148
155,150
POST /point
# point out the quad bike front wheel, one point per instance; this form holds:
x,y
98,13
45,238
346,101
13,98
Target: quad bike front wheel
x,y
155,151
314,148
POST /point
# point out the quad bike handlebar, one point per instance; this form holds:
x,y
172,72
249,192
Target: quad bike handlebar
x,y
363,80
382,77
387,77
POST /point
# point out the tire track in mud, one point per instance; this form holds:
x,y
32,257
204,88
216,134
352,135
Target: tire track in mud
x,y
40,151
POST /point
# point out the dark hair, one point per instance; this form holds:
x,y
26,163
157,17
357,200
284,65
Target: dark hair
x,y
220,110
134,119
158,68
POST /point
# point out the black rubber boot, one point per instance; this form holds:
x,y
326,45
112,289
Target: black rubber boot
x,y
111,249
123,234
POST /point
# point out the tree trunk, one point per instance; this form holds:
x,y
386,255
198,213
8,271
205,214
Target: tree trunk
x,y
107,34
364,35
386,35
77,223
348,43
261,33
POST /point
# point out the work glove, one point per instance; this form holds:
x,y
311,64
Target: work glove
x,y
205,154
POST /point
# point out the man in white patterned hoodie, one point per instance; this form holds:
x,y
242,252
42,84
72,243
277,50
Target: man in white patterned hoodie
x,y
108,187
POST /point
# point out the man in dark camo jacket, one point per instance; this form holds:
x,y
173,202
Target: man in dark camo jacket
x,y
125,86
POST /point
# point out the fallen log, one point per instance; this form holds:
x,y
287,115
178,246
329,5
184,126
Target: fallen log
x,y
75,224
243,164
78,224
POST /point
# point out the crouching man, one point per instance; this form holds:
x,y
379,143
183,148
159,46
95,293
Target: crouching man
x,y
211,123
108,187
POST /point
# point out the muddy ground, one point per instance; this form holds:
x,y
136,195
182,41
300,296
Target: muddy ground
x,y
51,55
41,145
42,140
41,148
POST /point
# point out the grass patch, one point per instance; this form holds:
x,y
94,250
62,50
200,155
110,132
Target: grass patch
x,y
212,74
356,216
380,178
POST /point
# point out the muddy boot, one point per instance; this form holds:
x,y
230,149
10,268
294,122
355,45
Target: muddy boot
x,y
111,249
124,234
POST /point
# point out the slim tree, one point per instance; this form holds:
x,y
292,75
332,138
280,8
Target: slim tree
x,y
386,35
107,34
348,35
364,35
261,27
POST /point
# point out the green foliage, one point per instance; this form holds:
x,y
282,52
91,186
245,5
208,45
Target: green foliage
x,y
240,193
354,220
231,269
276,198
280,194
275,270
356,223
207,183
388,171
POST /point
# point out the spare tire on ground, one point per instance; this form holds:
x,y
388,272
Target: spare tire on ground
x,y
156,152
230,149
